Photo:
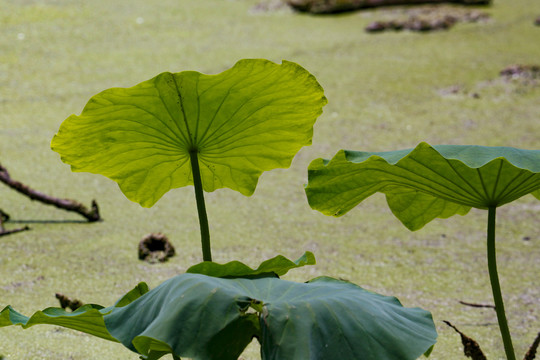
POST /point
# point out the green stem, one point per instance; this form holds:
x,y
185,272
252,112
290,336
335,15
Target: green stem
x,y
496,287
201,208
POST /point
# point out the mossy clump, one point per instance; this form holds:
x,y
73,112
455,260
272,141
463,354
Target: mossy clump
x,y
155,247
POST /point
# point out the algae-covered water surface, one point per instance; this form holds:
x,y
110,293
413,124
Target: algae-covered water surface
x,y
386,90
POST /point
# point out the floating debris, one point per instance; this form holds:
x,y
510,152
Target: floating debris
x,y
530,72
429,18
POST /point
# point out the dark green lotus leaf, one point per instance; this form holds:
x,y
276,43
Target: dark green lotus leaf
x,y
210,318
201,317
278,265
246,120
87,318
426,182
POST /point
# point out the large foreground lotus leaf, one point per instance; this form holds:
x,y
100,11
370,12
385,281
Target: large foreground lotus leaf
x,y
426,182
202,317
248,119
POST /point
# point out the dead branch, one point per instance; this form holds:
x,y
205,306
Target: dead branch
x,y
91,214
338,6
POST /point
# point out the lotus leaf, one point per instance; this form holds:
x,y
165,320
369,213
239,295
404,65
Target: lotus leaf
x,y
248,119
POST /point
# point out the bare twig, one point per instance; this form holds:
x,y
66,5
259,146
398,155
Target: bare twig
x,y
477,305
3,231
91,214
531,354
470,347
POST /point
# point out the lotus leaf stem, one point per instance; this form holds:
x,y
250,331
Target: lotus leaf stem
x,y
496,287
201,208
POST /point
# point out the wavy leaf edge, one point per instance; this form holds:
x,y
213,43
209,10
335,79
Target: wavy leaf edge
x,y
276,266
